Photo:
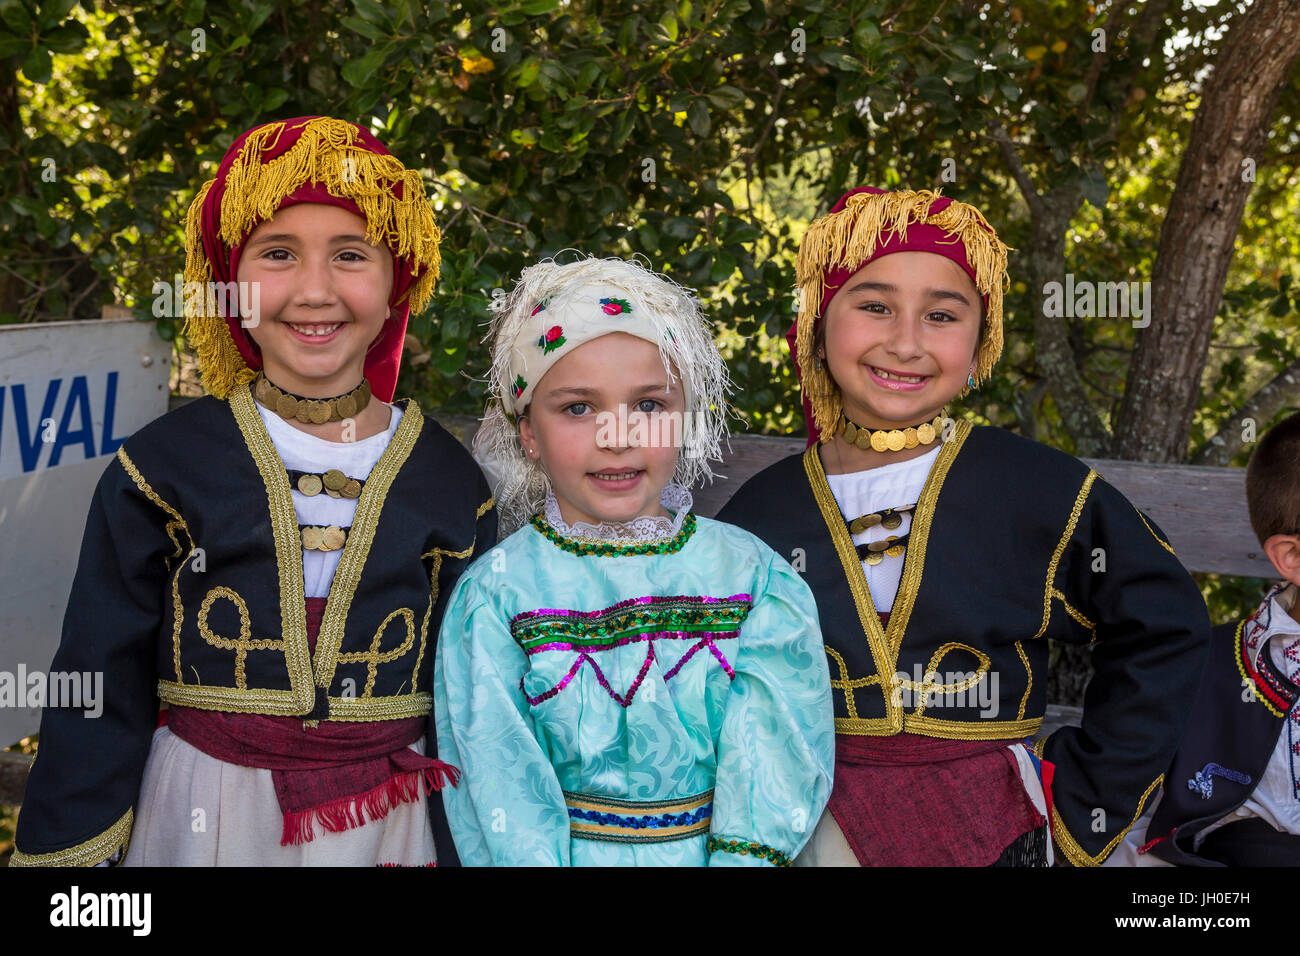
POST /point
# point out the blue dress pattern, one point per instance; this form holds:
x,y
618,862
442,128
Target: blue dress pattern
x,y
625,709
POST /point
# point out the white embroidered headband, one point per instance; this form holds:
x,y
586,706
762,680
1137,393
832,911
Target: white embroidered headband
x,y
555,308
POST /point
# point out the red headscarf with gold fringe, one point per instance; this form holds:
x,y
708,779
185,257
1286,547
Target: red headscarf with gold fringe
x,y
310,159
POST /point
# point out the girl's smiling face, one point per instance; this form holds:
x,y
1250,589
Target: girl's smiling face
x,y
323,297
899,338
599,469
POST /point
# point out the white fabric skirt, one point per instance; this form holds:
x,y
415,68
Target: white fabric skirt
x,y
196,810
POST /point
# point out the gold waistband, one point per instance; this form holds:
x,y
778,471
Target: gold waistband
x,y
638,821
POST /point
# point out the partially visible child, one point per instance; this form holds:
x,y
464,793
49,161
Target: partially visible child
x,y
1232,795
620,681
271,560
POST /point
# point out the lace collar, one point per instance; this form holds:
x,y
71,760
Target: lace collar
x,y
648,534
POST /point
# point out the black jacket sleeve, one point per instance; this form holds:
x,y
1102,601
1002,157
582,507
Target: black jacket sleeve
x,y
90,758
1150,631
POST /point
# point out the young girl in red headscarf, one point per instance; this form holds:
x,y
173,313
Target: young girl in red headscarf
x,y
944,556
271,560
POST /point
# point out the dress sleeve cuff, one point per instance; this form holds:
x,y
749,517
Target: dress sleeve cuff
x,y
746,851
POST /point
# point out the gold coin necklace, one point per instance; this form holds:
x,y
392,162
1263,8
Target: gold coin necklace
x,y
890,439
311,411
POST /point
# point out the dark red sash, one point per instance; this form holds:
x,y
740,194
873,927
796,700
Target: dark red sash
x,y
909,800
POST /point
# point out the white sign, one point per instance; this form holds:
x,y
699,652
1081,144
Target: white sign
x,y
70,394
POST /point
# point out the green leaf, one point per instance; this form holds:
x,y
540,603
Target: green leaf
x,y
682,227
69,38
537,7
962,72
362,28
30,206
1094,188
934,89
17,18
260,13
54,12
358,72
371,12
1008,87
669,22
698,117
1076,93
1281,307
527,75
727,98
274,99
192,12
37,65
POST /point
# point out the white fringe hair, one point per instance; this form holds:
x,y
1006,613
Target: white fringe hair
x,y
519,484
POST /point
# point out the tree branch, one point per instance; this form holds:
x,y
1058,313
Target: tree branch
x,y
1259,408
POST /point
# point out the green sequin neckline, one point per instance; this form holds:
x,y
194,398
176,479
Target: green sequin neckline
x,y
608,549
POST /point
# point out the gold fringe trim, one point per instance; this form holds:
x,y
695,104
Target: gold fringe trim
x,y
327,152
95,850
850,237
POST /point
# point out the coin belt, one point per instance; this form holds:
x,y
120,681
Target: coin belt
x,y
333,482
323,538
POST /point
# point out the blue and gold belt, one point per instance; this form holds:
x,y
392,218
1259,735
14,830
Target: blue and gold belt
x,y
638,821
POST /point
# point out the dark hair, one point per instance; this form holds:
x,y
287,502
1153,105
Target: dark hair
x,y
1273,481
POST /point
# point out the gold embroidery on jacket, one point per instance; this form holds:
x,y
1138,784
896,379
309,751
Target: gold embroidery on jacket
x,y
177,523
240,645
1081,857
884,642
970,729
1163,543
929,684
288,549
437,554
357,549
1060,549
1029,679
374,657
87,853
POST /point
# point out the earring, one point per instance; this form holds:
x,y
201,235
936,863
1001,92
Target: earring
x,y
970,381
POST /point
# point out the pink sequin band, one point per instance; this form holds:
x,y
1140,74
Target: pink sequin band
x,y
701,619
